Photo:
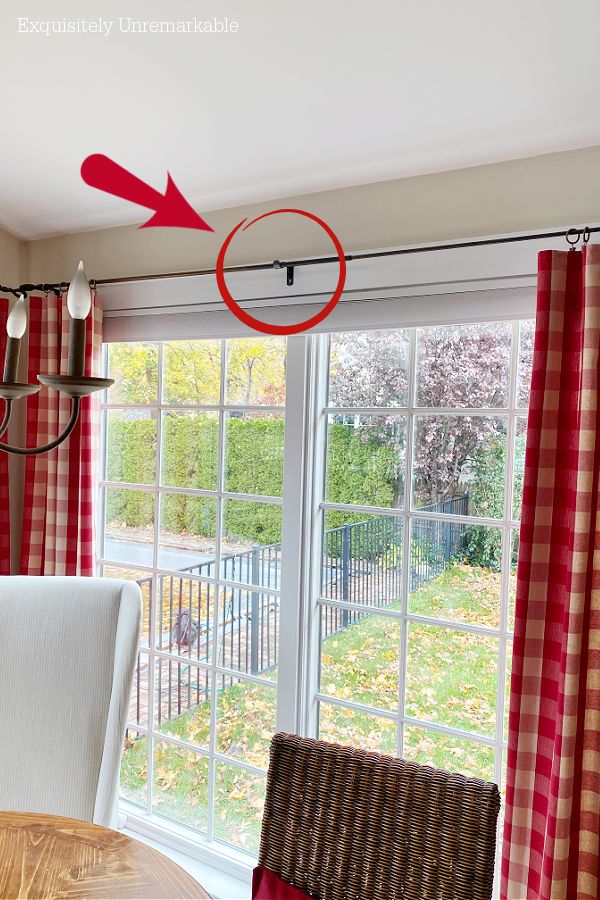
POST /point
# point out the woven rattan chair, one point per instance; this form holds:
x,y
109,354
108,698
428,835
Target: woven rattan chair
x,y
345,824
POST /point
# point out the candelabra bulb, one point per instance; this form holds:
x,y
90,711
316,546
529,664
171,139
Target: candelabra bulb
x,y
17,319
79,296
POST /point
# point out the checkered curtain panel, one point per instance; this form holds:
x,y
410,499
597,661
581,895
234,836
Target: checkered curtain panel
x,y
4,488
60,486
552,821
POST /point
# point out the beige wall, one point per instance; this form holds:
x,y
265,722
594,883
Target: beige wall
x,y
13,253
541,192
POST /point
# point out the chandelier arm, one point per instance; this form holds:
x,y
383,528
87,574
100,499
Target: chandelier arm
x,y
6,419
33,451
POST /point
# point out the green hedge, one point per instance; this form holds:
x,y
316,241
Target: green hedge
x,y
360,470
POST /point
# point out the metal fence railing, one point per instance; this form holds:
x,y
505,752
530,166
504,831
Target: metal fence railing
x,y
435,543
362,564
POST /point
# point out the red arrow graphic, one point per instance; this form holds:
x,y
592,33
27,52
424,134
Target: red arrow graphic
x,y
171,208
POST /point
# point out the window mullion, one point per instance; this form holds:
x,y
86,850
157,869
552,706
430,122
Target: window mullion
x,y
154,588
317,525
218,595
299,461
411,392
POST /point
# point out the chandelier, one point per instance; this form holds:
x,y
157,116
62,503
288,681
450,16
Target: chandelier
x,y
75,384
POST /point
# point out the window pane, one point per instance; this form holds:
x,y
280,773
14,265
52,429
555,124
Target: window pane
x,y
463,365
255,373
144,580
139,703
362,558
134,768
134,368
246,719
182,706
512,583
239,803
251,542
131,446
360,657
455,572
180,789
187,533
184,619
192,372
526,337
366,460
456,456
254,454
519,465
340,725
369,368
173,696
453,754
190,446
451,678
248,631
129,531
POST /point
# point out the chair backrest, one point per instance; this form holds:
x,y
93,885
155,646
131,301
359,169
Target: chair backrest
x,y
67,654
346,824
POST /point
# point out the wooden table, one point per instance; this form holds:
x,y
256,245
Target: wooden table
x,y
49,857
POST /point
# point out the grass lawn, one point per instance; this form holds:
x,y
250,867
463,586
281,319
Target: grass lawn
x,y
451,679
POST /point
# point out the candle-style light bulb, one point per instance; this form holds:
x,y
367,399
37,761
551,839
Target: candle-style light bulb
x,y
79,301
17,319
79,296
16,324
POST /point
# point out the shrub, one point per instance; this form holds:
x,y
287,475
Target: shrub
x,y
483,545
361,465
361,468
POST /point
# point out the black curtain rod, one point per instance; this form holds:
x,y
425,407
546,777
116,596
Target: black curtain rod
x,y
572,235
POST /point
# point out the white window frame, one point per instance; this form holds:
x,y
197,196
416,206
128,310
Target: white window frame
x,y
447,301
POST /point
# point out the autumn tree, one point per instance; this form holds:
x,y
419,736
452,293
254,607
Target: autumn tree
x,y
457,367
255,371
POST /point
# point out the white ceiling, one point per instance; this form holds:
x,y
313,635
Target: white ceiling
x,y
306,96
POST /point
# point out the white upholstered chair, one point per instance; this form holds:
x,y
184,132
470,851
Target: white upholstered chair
x,y
67,654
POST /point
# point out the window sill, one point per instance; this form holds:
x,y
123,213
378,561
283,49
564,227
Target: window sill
x,y
224,872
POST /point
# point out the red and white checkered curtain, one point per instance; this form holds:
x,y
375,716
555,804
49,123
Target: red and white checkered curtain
x,y
60,486
4,485
552,822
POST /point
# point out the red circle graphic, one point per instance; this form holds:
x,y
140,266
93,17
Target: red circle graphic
x,y
252,321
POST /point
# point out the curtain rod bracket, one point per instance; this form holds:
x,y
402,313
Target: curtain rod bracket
x,y
289,269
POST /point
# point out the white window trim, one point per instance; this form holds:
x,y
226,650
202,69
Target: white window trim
x,y
169,834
